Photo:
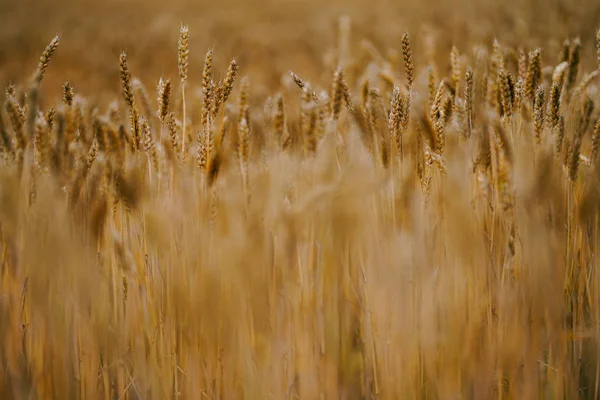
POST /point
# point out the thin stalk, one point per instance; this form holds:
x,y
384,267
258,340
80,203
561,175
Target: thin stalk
x,y
184,122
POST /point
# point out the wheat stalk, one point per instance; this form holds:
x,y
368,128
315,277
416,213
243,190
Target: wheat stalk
x,y
182,57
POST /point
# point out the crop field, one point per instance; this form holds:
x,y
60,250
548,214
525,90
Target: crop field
x,y
336,199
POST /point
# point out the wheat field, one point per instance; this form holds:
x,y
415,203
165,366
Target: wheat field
x,y
299,199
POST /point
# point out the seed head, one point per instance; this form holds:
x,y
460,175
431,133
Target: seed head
x,y
409,68
68,94
183,52
45,58
164,98
229,80
126,80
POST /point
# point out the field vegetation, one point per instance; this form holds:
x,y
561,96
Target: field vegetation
x,y
300,200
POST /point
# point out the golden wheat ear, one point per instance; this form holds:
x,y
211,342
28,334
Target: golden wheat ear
x,y
278,121
68,94
173,132
309,124
207,88
409,67
554,100
164,99
232,72
183,53
45,58
134,115
337,93
126,80
534,74
394,119
17,119
149,146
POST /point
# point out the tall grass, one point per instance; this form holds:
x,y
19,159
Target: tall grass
x,y
406,228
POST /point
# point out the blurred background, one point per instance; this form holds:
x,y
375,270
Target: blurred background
x,y
269,37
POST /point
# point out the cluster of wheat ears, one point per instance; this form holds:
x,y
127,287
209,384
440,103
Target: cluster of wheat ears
x,y
404,231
